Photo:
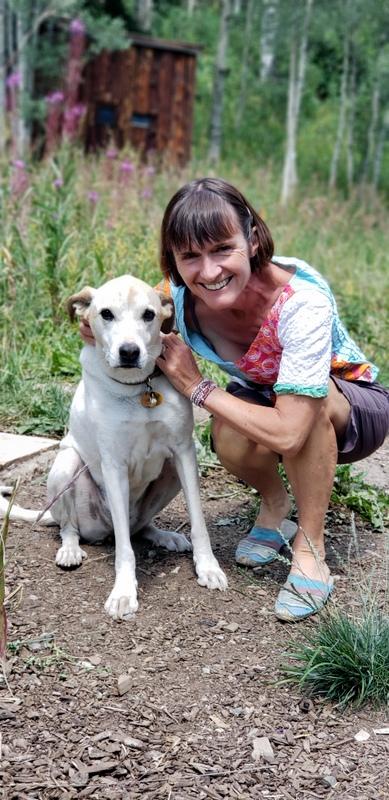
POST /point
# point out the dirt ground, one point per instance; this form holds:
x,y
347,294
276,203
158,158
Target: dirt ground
x,y
200,670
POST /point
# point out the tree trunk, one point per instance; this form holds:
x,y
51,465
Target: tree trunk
x,y
3,125
295,89
190,6
267,39
371,134
218,84
144,14
241,103
350,124
377,163
21,128
342,113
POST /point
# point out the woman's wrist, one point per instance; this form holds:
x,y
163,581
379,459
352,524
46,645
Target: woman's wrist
x,y
201,391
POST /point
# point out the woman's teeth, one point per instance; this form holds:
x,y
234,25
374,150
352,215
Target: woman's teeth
x,y
213,287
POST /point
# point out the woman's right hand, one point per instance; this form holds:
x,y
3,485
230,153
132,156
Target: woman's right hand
x,y
86,332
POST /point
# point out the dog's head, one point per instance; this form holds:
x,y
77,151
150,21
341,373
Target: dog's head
x,y
126,317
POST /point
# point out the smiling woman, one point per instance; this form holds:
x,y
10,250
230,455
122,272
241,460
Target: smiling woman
x,y
302,389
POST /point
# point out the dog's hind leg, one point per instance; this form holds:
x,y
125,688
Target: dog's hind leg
x,y
157,496
76,507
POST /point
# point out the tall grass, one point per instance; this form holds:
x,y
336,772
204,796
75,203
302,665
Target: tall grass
x,y
84,220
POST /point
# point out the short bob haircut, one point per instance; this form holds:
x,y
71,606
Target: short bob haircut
x,y
205,211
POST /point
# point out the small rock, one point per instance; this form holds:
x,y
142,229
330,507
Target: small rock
x,y
329,780
95,660
124,683
79,779
362,736
381,731
263,749
232,627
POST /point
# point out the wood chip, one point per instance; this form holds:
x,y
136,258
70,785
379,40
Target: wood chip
x,y
262,749
124,683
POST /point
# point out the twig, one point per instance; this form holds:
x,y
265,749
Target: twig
x,y
57,496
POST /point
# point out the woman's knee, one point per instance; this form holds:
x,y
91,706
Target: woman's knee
x,y
234,449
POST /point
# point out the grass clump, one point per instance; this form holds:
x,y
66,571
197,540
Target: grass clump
x,y
344,659
350,490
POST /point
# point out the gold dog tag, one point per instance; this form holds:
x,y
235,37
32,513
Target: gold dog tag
x,y
151,399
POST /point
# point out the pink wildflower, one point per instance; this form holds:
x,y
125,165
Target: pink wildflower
x,y
93,197
127,167
58,183
55,98
77,26
111,153
14,80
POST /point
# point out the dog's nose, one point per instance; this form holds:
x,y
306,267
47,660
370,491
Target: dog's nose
x,y
129,355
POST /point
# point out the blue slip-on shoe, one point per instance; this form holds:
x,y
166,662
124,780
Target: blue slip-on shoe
x,y
301,597
262,545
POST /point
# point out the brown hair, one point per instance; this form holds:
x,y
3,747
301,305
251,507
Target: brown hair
x,y
200,212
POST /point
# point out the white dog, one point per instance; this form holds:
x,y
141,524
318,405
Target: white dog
x,y
133,431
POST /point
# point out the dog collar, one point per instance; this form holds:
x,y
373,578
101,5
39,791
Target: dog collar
x,y
149,398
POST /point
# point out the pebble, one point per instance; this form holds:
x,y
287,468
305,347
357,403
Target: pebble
x,y
263,749
124,683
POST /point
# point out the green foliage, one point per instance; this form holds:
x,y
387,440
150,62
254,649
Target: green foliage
x,y
344,659
351,490
98,222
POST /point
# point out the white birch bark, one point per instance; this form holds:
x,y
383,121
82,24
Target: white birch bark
x,y
269,22
350,124
3,124
377,162
22,68
342,114
372,132
190,6
144,14
241,102
297,68
219,80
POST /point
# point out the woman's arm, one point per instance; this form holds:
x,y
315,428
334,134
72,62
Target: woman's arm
x,y
283,429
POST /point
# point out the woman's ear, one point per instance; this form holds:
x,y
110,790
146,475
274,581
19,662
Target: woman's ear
x,y
167,313
254,242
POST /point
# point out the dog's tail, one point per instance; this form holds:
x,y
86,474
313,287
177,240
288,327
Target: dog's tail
x,y
22,514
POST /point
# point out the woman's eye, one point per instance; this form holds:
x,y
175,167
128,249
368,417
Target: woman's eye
x,y
106,314
148,315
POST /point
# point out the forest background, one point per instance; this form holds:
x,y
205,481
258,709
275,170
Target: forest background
x,y
291,104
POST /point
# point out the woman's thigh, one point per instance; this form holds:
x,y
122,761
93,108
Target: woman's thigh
x,y
368,422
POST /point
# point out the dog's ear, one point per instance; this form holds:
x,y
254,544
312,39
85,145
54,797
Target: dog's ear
x,y
78,304
167,313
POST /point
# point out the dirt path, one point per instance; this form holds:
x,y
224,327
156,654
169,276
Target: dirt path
x,y
200,671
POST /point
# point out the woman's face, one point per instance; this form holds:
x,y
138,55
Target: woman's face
x,y
218,272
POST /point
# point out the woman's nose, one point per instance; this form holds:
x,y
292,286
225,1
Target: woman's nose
x,y
209,267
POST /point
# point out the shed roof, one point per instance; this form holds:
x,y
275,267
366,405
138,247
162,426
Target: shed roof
x,y
164,44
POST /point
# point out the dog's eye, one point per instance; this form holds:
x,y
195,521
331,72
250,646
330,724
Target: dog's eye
x,y
106,314
148,315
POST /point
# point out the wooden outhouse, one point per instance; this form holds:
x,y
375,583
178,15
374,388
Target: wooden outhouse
x,y
142,96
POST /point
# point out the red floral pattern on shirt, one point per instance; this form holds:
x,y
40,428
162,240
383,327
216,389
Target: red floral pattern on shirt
x,y
261,363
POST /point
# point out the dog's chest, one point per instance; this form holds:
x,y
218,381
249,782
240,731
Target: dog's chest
x,y
145,452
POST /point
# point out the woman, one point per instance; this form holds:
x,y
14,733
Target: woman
x,y
302,390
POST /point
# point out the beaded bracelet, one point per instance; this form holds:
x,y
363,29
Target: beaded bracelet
x,y
201,392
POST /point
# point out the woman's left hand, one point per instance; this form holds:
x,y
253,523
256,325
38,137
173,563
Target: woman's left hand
x,y
178,364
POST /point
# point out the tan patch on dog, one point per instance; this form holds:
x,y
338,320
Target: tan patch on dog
x,y
78,304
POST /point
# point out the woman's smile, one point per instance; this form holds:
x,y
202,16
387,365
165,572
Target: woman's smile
x,y
214,287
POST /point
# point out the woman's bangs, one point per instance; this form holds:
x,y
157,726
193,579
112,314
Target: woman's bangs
x,y
205,218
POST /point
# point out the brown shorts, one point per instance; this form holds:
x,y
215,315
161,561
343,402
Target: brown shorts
x,y
368,423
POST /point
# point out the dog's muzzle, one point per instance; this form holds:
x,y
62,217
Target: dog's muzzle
x,y
129,355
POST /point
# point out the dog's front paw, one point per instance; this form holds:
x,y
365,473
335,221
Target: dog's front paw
x,y
70,555
121,604
175,542
210,575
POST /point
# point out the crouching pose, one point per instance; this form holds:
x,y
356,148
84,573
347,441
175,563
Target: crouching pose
x,y
301,389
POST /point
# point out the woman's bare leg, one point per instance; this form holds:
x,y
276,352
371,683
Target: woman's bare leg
x,y
310,472
257,466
